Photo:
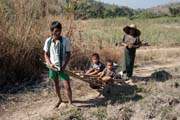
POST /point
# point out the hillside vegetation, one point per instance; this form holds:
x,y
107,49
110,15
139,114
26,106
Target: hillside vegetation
x,y
24,25
26,93
85,9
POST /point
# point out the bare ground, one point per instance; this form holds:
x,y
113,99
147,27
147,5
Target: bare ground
x,y
38,102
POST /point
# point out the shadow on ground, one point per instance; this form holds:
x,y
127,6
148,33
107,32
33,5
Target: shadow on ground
x,y
159,76
31,85
113,94
34,86
123,93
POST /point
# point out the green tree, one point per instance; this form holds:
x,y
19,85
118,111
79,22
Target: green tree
x,y
123,11
109,13
174,11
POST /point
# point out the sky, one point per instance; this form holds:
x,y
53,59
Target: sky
x,y
139,3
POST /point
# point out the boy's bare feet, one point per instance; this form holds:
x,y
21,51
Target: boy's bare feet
x,y
70,105
57,105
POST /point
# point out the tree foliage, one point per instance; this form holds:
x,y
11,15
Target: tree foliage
x,y
91,9
174,11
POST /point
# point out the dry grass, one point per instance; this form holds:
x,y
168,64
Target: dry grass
x,y
100,35
24,30
21,40
105,32
157,56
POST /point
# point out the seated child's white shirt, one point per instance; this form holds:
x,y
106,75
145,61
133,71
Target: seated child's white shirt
x,y
97,67
109,73
54,58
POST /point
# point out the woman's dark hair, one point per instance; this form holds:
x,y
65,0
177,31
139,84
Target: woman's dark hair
x,y
55,24
95,55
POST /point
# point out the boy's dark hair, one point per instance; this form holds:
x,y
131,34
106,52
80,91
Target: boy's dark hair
x,y
110,61
95,55
55,24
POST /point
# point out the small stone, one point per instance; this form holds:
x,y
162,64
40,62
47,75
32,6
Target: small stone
x,y
174,118
176,85
174,102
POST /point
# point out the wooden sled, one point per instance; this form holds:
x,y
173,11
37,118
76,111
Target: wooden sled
x,y
105,89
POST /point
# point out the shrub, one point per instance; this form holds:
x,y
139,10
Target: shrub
x,y
20,51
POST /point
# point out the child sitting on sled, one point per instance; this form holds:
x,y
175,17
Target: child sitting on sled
x,y
96,65
108,73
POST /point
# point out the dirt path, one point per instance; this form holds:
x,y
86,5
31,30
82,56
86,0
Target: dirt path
x,y
168,58
32,105
35,106
159,49
148,70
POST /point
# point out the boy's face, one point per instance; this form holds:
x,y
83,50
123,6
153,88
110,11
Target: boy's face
x,y
95,59
109,66
56,33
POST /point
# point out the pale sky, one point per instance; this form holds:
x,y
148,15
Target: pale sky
x,y
139,3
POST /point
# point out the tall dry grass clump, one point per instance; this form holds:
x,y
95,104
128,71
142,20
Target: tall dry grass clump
x,y
24,26
20,40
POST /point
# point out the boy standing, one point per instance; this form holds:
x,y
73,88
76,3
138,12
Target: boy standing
x,y
57,52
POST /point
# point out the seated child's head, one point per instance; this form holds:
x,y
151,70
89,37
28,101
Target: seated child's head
x,y
109,64
95,58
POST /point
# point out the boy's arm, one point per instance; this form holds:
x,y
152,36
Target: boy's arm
x,y
46,54
102,74
89,71
68,56
47,59
68,53
93,73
